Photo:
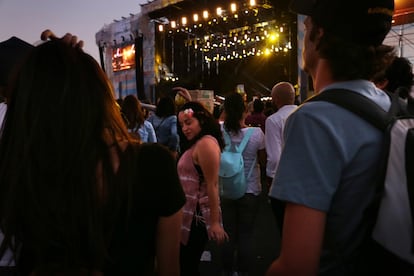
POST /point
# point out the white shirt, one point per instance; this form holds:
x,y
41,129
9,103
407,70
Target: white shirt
x,y
274,137
255,143
3,109
7,259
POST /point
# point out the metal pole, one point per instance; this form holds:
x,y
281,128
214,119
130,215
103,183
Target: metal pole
x,y
172,53
188,53
400,41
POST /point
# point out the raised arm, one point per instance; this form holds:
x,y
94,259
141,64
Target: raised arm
x,y
67,38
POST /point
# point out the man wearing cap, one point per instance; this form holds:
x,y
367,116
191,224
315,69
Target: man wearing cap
x,y
330,156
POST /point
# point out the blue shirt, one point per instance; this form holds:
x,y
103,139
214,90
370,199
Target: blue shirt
x,y
328,163
166,130
146,132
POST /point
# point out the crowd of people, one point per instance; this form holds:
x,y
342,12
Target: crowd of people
x,y
107,189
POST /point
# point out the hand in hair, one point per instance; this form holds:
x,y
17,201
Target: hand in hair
x,y
183,92
67,38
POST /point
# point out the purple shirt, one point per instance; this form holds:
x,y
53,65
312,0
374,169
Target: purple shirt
x,y
256,120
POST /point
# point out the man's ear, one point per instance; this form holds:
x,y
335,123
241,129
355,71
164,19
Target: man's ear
x,y
319,34
382,84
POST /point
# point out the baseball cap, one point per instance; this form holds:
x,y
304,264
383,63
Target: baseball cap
x,y
12,52
364,22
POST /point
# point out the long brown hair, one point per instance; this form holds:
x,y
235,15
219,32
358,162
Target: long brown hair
x,y
61,120
132,109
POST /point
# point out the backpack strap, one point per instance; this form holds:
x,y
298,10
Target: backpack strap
x,y
369,111
374,114
243,143
409,163
227,139
241,146
360,105
252,167
410,105
246,138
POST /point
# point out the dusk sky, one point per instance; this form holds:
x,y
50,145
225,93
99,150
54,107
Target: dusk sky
x,y
26,19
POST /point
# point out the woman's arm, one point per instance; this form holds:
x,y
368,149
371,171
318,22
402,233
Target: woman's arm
x,y
168,244
152,138
207,156
168,198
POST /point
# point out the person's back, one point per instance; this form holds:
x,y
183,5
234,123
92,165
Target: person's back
x,y
239,214
164,122
147,133
255,143
339,176
283,97
154,195
80,177
136,123
164,130
257,117
235,127
330,157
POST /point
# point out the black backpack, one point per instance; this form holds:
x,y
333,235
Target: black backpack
x,y
391,249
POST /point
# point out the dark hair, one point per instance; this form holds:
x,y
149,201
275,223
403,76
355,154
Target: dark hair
x,y
400,75
12,53
165,107
349,60
132,110
234,107
60,118
209,126
370,23
258,106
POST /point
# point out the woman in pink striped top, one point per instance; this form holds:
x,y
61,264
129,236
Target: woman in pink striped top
x,y
201,143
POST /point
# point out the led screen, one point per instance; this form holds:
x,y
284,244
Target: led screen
x,y
123,58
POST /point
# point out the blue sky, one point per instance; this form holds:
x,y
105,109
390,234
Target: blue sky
x,y
26,19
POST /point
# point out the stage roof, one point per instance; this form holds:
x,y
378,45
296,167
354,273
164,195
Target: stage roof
x,y
404,12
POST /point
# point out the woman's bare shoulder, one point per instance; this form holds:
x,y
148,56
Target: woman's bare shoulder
x,y
207,140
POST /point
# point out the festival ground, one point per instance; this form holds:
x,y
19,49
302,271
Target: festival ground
x,y
266,245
